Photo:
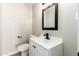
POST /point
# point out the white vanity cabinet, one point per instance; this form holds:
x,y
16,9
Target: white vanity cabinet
x,y
39,48
36,50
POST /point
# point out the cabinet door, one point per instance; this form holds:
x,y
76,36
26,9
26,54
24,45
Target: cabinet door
x,y
40,51
32,48
36,50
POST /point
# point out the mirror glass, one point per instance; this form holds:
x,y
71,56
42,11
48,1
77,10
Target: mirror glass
x,y
50,17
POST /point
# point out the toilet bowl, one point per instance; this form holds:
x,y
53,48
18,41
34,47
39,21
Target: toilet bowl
x,y
23,48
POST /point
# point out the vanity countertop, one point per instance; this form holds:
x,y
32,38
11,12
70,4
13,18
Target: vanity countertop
x,y
48,44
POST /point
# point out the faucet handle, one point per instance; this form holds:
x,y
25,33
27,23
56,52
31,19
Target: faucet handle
x,y
45,34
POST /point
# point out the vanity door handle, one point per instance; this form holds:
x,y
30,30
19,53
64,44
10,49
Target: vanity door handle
x,y
34,46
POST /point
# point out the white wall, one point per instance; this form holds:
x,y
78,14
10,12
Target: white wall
x,y
0,32
16,20
78,31
67,26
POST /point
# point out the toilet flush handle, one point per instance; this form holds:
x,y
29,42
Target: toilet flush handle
x,y
19,36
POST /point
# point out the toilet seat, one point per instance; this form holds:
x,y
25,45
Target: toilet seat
x,y
23,47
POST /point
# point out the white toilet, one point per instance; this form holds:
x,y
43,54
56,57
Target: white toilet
x,y
24,49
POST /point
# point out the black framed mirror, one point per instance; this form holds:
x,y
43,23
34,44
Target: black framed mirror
x,y
50,17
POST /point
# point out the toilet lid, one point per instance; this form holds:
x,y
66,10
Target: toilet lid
x,y
23,47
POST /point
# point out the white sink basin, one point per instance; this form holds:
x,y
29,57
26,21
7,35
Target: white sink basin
x,y
48,44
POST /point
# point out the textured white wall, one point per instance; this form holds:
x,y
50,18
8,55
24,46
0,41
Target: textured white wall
x,y
67,26
16,20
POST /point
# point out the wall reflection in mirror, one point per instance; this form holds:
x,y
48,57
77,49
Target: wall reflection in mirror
x,y
50,16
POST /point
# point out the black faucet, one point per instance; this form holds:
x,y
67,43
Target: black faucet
x,y
46,36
